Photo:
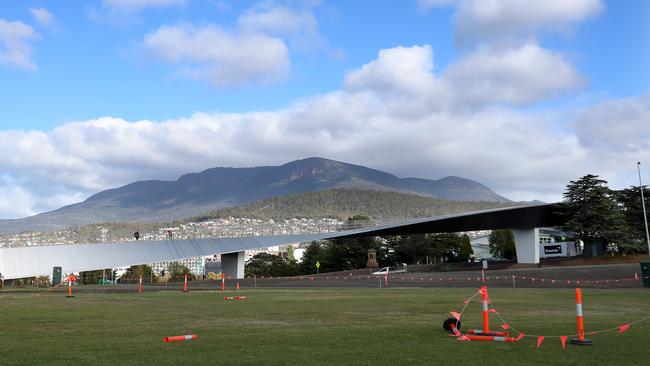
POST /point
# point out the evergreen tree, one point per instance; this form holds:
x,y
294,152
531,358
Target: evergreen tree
x,y
502,244
592,211
177,271
630,201
348,253
466,250
314,253
412,249
291,256
265,264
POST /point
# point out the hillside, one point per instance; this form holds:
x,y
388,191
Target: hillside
x,y
216,188
342,203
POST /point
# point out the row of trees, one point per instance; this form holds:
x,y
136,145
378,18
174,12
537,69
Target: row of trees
x,y
175,271
347,254
601,216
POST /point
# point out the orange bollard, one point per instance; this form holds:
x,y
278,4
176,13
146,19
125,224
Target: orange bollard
x,y
140,284
71,279
188,337
185,284
485,300
581,340
223,283
486,312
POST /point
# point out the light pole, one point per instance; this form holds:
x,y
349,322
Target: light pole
x,y
645,218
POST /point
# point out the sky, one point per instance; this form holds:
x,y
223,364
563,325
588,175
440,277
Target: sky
x,y
522,96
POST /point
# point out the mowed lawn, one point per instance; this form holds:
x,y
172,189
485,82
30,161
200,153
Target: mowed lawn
x,y
314,327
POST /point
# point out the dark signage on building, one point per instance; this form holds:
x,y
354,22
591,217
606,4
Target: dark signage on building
x,y
553,249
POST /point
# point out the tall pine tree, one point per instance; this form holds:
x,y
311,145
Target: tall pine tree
x,y
592,212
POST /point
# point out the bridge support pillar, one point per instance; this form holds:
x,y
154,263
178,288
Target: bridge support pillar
x,y
527,245
232,265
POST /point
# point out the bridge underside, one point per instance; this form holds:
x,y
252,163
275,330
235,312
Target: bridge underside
x,y
36,261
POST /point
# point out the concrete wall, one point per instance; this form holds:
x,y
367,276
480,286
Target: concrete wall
x,y
232,265
527,245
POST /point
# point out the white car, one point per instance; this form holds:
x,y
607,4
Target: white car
x,y
389,270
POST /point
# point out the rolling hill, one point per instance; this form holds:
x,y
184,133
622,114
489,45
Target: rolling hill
x,y
196,193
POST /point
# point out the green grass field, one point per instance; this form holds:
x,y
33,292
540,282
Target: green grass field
x,y
313,327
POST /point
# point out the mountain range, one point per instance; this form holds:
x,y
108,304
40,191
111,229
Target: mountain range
x,y
197,193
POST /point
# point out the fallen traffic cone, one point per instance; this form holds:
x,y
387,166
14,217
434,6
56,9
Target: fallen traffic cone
x,y
473,337
228,297
188,337
240,297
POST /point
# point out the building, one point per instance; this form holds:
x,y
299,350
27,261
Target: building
x,y
195,265
481,247
556,243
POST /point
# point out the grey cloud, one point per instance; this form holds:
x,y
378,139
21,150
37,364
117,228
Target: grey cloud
x,y
506,21
508,149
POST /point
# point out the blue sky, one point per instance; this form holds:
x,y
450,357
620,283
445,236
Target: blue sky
x,y
351,78
86,68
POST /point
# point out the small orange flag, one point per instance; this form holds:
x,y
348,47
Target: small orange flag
x,y
505,326
563,340
520,336
623,328
455,315
540,339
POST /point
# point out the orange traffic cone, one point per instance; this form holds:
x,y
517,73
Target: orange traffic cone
x,y
188,337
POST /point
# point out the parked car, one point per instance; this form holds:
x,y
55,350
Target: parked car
x,y
390,270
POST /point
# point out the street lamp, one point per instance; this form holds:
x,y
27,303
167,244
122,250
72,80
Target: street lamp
x,y
645,218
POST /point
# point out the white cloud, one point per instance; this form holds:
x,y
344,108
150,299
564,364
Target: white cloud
x,y
16,201
618,124
300,27
278,20
127,12
222,58
517,75
514,75
134,6
395,116
43,17
508,21
400,69
499,21
15,47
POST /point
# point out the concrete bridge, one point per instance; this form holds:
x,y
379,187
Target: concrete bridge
x,y
37,261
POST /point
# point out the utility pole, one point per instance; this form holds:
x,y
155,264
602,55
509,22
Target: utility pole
x,y
645,217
